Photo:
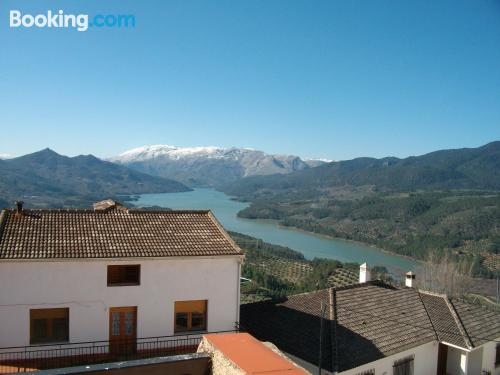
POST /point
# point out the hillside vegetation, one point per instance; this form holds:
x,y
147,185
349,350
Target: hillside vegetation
x,y
274,271
446,202
47,179
468,168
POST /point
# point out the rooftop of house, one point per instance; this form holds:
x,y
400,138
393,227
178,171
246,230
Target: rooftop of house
x,y
247,354
111,231
445,320
479,323
366,322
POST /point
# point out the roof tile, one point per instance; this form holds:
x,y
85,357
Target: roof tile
x,y
374,320
116,233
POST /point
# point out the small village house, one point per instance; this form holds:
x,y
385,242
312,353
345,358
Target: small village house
x,y
114,274
373,328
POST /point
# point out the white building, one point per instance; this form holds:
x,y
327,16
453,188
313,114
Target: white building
x,y
372,328
70,276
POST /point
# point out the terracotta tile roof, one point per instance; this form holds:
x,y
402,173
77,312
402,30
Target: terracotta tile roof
x,y
374,320
251,356
113,233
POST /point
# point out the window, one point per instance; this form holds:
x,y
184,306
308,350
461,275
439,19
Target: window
x,y
124,275
49,325
190,316
404,366
497,357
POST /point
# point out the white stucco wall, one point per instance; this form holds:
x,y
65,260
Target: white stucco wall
x,y
82,286
461,362
489,353
456,362
475,361
425,362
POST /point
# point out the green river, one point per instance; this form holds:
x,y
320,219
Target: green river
x,y
311,245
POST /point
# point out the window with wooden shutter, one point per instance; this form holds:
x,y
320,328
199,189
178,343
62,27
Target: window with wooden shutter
x,y
190,316
49,325
123,275
404,366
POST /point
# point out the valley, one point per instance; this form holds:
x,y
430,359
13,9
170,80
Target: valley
x,y
416,225
446,202
443,203
309,245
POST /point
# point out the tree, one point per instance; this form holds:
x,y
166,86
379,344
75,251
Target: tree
x,y
445,273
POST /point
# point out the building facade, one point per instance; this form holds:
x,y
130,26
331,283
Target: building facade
x,y
72,276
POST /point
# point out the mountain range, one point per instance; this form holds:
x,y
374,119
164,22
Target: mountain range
x,y
466,168
46,178
444,202
209,166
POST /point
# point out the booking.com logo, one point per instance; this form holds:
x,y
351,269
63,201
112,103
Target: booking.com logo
x,y
80,22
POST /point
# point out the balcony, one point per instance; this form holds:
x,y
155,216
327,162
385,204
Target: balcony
x,y
42,357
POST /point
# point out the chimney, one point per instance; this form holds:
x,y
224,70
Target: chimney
x,y
104,205
19,207
364,273
410,279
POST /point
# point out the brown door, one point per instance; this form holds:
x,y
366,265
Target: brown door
x,y
442,359
122,330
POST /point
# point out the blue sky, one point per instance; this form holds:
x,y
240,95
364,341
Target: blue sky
x,y
334,79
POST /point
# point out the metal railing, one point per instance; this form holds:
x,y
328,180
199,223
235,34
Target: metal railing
x,y
49,356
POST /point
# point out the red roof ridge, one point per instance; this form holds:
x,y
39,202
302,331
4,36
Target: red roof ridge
x,y
89,210
139,211
223,231
251,355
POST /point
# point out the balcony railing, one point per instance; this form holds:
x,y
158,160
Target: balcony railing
x,y
49,356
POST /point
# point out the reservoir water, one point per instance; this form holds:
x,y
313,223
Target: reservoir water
x,y
311,245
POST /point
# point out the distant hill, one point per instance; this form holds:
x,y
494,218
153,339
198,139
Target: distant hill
x,y
444,202
467,168
46,178
209,166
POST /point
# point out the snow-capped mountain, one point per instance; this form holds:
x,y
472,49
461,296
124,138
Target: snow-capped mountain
x,y
316,162
4,156
172,152
208,166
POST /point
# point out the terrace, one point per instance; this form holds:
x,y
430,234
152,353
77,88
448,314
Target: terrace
x,y
43,357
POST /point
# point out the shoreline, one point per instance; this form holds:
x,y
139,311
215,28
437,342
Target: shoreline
x,y
398,265
329,237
